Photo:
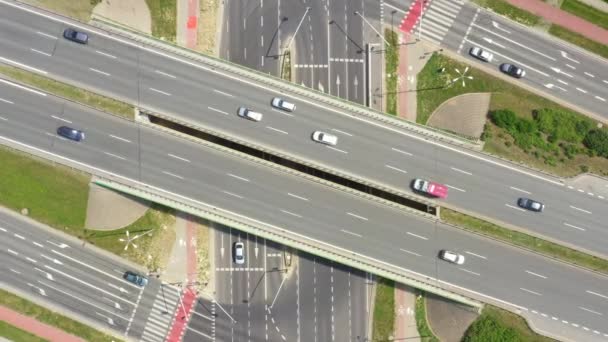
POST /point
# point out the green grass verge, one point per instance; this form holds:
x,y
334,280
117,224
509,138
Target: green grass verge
x,y
52,318
77,9
580,40
524,240
504,8
164,18
53,194
384,310
68,91
12,333
589,13
426,334
286,67
392,63
495,324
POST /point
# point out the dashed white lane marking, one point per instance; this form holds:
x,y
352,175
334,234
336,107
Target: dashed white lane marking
x,y
514,207
61,119
232,194
530,291
160,91
311,66
12,251
461,171
217,110
119,138
579,209
600,98
520,190
562,82
589,310
471,272
178,157
115,156
581,90
605,81
298,197
31,260
105,54
3,118
276,130
164,74
3,229
238,177
19,236
536,274
402,152
339,131
37,244
597,294
590,75
290,213
41,52
418,236
571,66
573,226
395,168
346,60
46,35
239,269
6,101
99,72
409,252
335,149
477,255
223,93
357,216
455,188
351,233
173,175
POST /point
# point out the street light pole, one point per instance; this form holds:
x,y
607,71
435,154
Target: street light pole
x,y
373,28
297,29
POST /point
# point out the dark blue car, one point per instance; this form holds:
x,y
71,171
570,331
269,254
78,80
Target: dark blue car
x,y
70,133
76,36
135,278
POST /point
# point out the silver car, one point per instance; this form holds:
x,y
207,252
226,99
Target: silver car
x,y
452,257
278,102
325,138
249,114
481,54
239,253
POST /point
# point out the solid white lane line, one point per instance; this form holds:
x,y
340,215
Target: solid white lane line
x,y
61,119
290,213
115,156
46,35
178,157
351,233
19,236
22,87
520,190
41,52
119,138
223,93
164,74
461,171
357,216
589,310
160,91
597,294
455,188
233,194
6,101
514,42
514,207
217,110
335,149
298,197
276,130
99,72
105,54
579,209
590,75
403,152
477,255
573,226
417,236
530,291
339,131
395,168
173,175
237,177
600,98
475,273
581,90
409,252
536,274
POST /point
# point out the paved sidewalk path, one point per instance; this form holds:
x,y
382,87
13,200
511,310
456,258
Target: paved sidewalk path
x,y
405,319
562,18
35,327
187,22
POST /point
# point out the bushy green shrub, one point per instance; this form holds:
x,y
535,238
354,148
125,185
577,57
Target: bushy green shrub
x,y
562,125
504,118
597,142
487,329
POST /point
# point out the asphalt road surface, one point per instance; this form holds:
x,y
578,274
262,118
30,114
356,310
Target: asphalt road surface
x,y
328,217
479,184
80,280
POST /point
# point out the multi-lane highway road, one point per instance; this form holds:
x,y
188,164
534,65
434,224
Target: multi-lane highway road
x,y
493,271
368,150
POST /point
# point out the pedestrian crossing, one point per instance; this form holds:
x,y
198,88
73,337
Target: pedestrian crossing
x,y
162,314
431,19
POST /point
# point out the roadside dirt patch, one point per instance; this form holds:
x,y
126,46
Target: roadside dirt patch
x,y
132,13
448,320
207,27
77,9
110,210
464,114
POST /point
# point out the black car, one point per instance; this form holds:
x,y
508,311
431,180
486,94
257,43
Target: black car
x,y
70,133
530,204
76,36
135,278
512,70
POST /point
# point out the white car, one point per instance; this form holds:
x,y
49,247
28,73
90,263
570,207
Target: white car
x,y
239,253
249,114
451,257
282,104
481,54
325,138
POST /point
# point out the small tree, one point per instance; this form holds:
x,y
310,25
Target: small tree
x,y
597,141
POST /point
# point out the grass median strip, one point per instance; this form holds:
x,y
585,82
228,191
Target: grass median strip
x,y
67,91
392,63
384,310
164,18
426,334
529,242
52,318
578,39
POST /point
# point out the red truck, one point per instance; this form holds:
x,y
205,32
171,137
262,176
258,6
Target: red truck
x,y
430,188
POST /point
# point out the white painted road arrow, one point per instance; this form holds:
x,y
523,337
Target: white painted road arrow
x,y
495,24
565,55
551,86
489,40
559,71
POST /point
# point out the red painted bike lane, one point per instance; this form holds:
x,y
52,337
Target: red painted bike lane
x,y
35,327
413,15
